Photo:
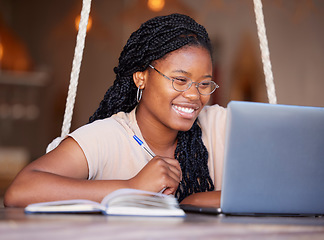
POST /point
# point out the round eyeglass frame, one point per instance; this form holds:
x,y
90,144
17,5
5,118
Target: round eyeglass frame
x,y
189,85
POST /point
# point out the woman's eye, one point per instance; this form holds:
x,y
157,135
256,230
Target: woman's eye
x,y
205,84
181,81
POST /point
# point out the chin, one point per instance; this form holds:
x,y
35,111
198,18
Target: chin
x,y
184,127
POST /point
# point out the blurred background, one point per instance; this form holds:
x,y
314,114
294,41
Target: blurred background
x,y
37,41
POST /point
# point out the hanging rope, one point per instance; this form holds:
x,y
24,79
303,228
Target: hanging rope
x,y
76,65
265,52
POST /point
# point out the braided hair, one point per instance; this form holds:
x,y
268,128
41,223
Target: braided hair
x,y
154,40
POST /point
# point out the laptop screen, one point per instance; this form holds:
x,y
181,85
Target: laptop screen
x,y
274,159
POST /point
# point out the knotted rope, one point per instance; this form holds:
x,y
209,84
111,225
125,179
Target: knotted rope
x,y
265,52
76,65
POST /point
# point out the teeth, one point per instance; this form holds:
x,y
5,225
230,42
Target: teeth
x,y
183,109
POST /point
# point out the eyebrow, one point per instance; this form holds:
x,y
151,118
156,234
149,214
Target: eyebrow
x,y
189,74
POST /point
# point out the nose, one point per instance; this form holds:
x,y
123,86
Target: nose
x,y
192,93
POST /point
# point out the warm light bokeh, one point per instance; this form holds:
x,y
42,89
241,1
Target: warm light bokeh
x,y
77,22
1,51
156,5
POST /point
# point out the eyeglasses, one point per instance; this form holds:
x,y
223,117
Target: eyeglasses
x,y
182,84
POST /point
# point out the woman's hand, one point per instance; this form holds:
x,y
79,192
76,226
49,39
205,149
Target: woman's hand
x,y
204,199
159,174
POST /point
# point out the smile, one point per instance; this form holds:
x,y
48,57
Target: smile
x,y
184,109
186,112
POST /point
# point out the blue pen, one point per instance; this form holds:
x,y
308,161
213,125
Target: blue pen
x,y
140,142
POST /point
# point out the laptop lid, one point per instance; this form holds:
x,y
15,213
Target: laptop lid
x,y
274,160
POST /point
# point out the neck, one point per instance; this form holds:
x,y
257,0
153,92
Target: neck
x,y
160,139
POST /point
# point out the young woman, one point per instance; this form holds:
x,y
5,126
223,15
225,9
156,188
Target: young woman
x,y
163,82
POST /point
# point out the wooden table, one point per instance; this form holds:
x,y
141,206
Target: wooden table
x,y
15,224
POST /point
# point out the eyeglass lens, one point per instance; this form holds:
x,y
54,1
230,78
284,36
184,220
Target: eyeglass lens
x,y
182,84
205,87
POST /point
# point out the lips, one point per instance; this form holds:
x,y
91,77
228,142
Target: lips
x,y
184,109
186,112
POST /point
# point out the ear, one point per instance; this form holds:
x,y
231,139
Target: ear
x,y
139,79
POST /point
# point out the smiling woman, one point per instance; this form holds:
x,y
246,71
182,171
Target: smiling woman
x,y
176,106
163,83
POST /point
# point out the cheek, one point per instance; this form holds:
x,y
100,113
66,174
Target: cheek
x,y
204,99
158,91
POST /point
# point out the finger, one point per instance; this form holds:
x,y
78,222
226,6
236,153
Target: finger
x,y
169,191
173,162
175,174
170,170
178,172
174,166
170,183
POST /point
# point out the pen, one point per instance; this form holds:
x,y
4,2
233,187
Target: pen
x,y
140,142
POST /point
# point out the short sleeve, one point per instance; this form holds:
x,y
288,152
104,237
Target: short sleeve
x,y
97,140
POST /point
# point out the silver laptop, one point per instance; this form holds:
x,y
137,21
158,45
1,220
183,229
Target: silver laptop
x,y
274,160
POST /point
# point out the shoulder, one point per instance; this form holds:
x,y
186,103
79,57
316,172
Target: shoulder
x,y
98,130
97,127
208,109
212,114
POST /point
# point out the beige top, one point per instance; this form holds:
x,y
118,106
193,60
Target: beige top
x,y
112,153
